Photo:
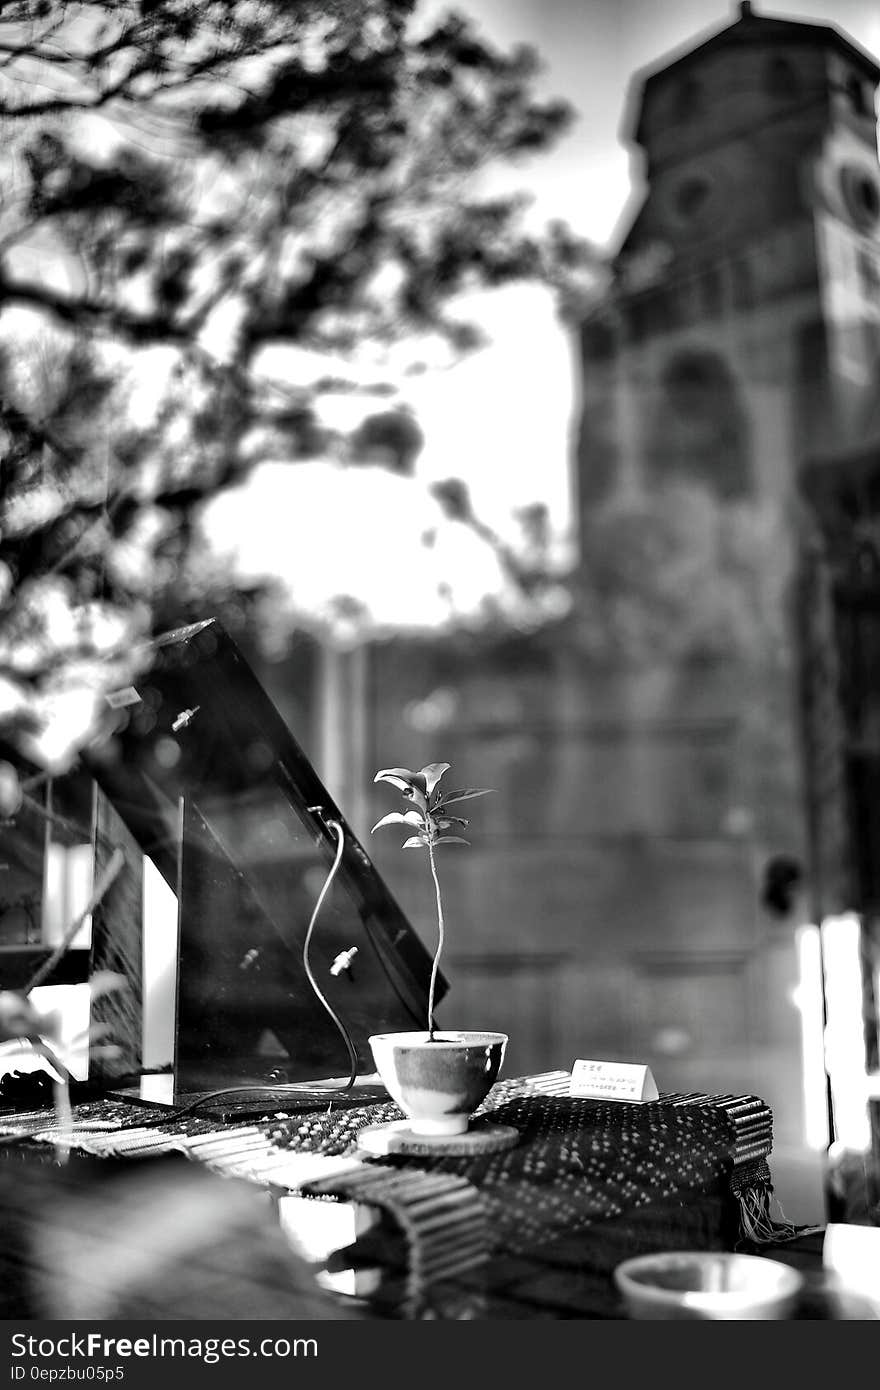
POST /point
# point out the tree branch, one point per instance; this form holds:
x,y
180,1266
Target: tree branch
x,y
135,328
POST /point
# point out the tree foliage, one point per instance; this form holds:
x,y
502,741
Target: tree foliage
x,y
251,205
303,168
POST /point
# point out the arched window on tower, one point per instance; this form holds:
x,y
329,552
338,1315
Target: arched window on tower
x,y
688,99
701,428
782,80
858,92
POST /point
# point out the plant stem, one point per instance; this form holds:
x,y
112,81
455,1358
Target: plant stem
x,y
439,942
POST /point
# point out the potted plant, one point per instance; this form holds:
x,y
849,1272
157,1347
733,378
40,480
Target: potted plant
x,y
438,1078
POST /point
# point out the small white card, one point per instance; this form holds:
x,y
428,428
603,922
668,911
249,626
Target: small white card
x,y
612,1081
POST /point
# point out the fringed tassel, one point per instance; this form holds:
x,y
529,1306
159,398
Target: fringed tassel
x,y
754,1193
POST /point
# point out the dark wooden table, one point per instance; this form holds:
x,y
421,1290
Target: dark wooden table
x,y
571,1275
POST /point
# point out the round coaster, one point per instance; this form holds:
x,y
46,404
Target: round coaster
x,y
397,1137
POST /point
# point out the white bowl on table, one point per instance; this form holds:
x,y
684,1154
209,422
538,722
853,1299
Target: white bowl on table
x,y
707,1284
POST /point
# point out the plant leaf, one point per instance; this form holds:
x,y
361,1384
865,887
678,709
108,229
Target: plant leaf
x,y
432,773
399,777
419,797
414,842
464,795
444,822
399,818
450,840
412,784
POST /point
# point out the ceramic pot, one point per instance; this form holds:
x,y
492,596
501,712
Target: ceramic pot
x,y
438,1082
707,1284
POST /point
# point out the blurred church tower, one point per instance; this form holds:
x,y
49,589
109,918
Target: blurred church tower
x,y
739,348
743,334
633,890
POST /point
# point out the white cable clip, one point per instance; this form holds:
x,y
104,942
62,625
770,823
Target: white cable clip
x,y
343,961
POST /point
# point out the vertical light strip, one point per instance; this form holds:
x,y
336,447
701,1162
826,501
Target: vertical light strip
x,y
159,968
844,1037
68,884
807,998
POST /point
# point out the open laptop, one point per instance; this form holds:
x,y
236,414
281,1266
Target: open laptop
x,y
226,805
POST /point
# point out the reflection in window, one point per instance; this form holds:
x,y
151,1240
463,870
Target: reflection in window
x,y
45,861
701,427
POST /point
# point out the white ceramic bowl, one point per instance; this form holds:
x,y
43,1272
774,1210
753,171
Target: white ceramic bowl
x,y
707,1284
438,1083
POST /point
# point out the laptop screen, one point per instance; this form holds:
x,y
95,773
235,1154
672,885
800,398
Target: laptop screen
x,y
226,804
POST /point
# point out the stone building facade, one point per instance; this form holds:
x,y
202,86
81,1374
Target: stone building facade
x,y
612,903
